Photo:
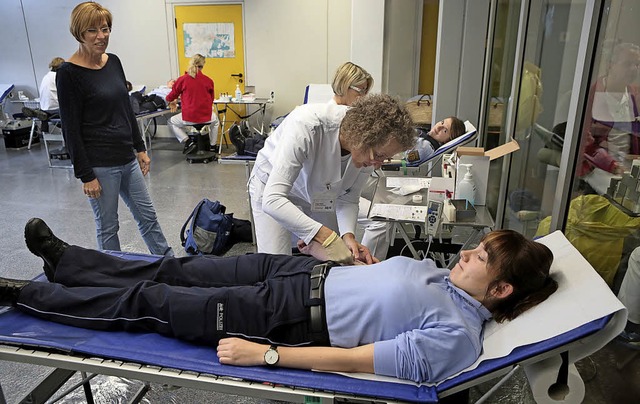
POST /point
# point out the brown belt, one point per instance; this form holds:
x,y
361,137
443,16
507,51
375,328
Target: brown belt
x,y
316,291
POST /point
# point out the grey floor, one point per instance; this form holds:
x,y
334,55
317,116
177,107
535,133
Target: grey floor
x,y
28,188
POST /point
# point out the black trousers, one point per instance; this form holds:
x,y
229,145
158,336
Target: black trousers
x,y
199,299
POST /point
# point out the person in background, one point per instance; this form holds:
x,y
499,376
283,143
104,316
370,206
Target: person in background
x,y
196,92
49,107
307,179
429,141
376,233
350,81
402,317
612,130
101,132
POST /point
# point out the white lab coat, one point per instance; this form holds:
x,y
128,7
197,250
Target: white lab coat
x,y
300,166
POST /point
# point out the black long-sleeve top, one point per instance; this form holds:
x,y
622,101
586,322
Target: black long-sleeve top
x,y
98,124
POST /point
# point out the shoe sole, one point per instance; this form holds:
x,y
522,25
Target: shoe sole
x,y
189,149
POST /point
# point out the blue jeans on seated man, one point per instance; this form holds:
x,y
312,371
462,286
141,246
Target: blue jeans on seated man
x,y
127,182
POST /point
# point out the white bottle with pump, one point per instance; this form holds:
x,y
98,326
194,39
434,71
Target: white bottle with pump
x,y
467,188
238,93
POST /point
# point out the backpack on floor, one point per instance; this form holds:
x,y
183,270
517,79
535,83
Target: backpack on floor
x,y
207,229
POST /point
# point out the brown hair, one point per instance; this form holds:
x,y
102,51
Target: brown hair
x,y
375,119
88,15
457,128
55,63
522,263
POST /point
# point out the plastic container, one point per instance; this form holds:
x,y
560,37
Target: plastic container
x,y
238,93
467,188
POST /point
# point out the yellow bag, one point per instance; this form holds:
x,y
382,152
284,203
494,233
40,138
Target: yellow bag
x,y
597,229
420,109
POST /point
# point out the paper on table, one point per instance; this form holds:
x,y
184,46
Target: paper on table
x,y
399,212
393,182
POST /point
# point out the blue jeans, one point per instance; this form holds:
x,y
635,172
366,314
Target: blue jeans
x,y
126,181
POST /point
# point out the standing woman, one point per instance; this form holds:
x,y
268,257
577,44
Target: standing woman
x,y
307,179
350,82
197,93
107,150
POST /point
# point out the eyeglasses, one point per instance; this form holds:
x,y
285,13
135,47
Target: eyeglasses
x,y
375,156
361,91
94,31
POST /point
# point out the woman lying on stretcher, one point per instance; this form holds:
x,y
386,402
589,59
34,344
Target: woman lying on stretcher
x,y
401,317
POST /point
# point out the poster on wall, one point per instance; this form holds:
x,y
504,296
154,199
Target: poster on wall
x,y
212,40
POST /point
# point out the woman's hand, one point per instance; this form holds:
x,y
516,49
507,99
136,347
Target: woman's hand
x,y
173,105
92,189
239,352
360,252
144,161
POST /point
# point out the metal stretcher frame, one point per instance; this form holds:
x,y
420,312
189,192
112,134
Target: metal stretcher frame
x,y
144,123
154,358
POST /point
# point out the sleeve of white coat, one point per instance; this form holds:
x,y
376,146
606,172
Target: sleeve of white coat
x,y
347,205
275,203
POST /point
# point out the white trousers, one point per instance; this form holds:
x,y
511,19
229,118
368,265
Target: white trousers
x,y
271,236
177,124
377,234
629,293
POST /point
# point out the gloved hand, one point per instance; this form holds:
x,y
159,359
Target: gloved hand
x,y
337,250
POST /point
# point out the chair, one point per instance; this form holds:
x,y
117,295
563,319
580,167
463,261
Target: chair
x,y
200,135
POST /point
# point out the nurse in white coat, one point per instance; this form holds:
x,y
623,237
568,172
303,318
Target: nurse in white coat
x,y
307,179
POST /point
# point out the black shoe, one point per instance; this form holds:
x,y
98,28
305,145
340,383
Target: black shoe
x,y
237,138
9,291
42,242
189,146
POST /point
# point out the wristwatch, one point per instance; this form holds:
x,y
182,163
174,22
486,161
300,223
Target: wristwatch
x,y
271,357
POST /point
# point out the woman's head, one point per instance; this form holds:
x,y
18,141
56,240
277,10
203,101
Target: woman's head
x,y
90,20
376,127
507,273
195,64
447,129
350,82
55,63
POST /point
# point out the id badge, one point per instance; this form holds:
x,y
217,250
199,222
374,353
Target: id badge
x,y
324,202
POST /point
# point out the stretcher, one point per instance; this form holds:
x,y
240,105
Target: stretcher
x,y
423,166
576,321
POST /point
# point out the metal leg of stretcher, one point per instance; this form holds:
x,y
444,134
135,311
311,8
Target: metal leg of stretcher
x,y
47,388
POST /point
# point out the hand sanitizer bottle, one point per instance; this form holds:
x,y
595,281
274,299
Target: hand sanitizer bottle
x,y
238,93
466,187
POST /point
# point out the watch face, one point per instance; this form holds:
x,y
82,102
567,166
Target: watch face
x,y
271,357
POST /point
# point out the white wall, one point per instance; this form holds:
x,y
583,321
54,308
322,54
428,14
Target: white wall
x,y
289,43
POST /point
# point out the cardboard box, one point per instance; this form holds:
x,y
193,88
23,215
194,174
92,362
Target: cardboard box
x,y
479,159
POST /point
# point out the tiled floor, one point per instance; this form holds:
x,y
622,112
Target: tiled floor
x,y
28,187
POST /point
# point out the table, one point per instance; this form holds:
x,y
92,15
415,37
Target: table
x,y
383,195
223,106
144,123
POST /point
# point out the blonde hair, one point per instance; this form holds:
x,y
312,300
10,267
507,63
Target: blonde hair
x,y
55,63
196,62
349,74
88,15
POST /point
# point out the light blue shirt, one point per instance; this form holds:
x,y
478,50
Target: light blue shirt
x,y
423,328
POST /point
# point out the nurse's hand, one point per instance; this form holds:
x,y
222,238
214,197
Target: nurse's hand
x,y
337,250
359,251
